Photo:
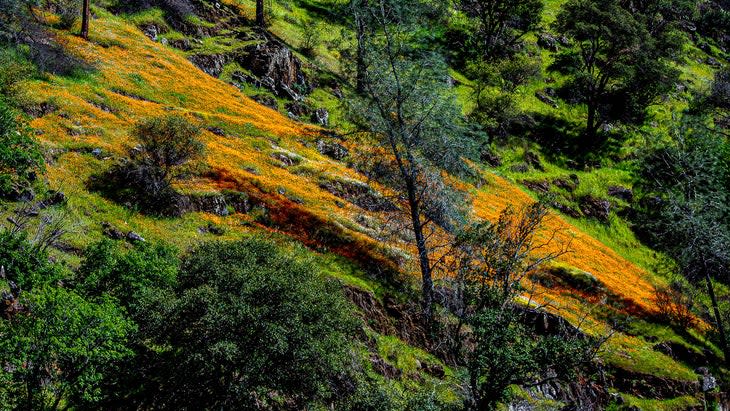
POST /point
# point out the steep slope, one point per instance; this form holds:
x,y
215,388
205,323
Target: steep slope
x,y
274,162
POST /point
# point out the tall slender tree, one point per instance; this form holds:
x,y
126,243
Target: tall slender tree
x,y
407,108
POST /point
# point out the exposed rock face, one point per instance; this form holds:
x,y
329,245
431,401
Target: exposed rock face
x,y
212,64
707,381
622,193
595,208
358,193
332,150
275,61
540,186
321,116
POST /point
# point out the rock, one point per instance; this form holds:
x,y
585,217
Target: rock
x,y
622,193
181,44
110,231
595,207
358,193
533,161
567,210
707,381
711,61
150,30
680,352
286,159
274,60
298,109
53,198
574,178
434,370
133,237
383,368
267,101
96,152
547,41
546,99
217,131
540,186
211,64
565,184
332,150
40,109
321,116
490,157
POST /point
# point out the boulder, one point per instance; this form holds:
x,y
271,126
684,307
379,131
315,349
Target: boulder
x,y
540,186
110,231
267,101
533,160
548,41
211,64
707,381
133,237
274,60
595,207
321,116
542,96
332,150
622,193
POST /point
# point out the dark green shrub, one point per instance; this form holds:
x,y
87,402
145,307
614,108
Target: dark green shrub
x,y
127,275
24,263
145,178
249,324
20,156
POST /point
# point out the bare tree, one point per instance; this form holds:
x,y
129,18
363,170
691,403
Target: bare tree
x,y
260,14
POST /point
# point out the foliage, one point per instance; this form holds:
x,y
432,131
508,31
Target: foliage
x,y
617,69
24,263
61,349
165,144
500,24
684,212
492,261
247,325
20,157
407,109
127,276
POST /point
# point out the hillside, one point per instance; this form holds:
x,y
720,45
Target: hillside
x,y
264,172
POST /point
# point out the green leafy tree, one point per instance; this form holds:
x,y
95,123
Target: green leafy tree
x,y
500,24
492,261
58,352
20,157
165,144
247,325
616,67
685,197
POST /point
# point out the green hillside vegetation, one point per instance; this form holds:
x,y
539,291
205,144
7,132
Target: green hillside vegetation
x,y
364,205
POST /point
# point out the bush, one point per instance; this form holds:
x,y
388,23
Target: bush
x,y
145,178
24,263
68,12
126,276
250,326
20,157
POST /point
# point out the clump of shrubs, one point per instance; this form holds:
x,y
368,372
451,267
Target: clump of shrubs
x,y
145,178
20,157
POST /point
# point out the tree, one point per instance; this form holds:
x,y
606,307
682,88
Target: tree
x,y
684,187
85,17
146,177
248,324
57,346
616,68
492,260
500,24
409,111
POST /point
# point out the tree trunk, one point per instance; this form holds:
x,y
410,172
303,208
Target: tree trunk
x,y
718,319
85,16
360,63
423,260
260,17
591,126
